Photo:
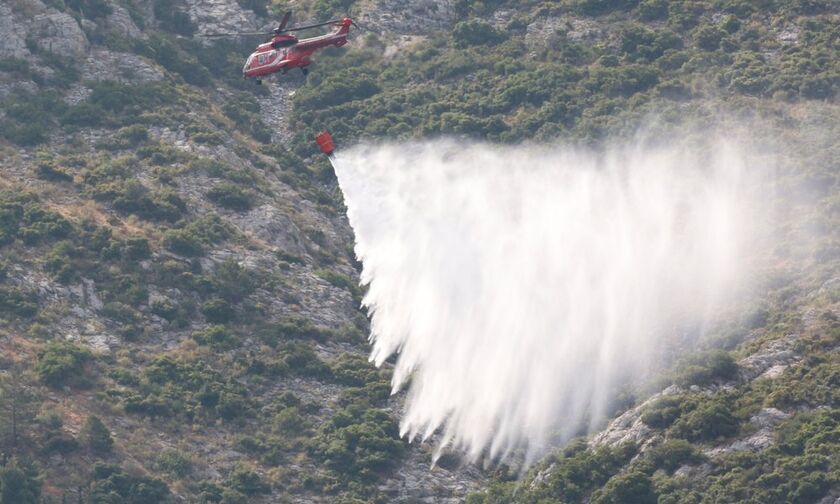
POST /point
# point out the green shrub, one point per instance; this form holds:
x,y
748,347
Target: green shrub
x,y
360,444
215,336
15,66
191,239
218,311
705,368
178,54
622,81
90,9
61,363
340,88
673,453
111,485
663,412
48,171
29,117
121,312
294,328
172,17
59,442
233,282
17,303
302,360
470,33
598,7
22,217
634,486
61,261
640,43
650,10
289,421
710,420
132,197
174,462
134,134
136,249
167,310
183,242
187,389
230,196
84,114
247,482
708,37
354,370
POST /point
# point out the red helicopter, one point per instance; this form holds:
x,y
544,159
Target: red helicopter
x,y
283,52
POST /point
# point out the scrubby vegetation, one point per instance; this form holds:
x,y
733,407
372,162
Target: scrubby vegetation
x,y
150,344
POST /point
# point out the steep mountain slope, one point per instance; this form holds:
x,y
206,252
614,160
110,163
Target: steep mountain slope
x,y
177,288
179,303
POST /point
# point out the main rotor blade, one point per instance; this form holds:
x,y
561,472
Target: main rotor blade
x,y
325,23
284,21
241,34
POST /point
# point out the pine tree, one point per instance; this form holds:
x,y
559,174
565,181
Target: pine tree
x,y
96,436
18,405
19,483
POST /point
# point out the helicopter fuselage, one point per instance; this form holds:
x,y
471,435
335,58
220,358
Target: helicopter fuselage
x,y
285,52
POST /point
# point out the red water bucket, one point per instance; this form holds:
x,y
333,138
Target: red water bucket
x,y
325,142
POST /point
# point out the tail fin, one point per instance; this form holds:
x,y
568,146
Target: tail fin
x,y
344,26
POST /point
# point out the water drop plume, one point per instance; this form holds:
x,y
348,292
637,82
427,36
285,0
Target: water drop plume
x,y
520,286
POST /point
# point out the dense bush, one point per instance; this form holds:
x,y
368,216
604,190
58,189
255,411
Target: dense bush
x,y
218,311
301,359
230,196
360,444
174,462
710,420
111,101
216,337
663,412
187,389
110,485
672,453
247,482
232,282
28,118
23,217
470,33
17,303
634,486
708,37
20,482
172,17
577,472
192,237
61,363
706,367
650,10
132,197
48,171
293,328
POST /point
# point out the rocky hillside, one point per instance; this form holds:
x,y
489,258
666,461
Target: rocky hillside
x,y
178,293
178,299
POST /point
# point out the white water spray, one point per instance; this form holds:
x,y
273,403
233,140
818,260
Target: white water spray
x,y
521,285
